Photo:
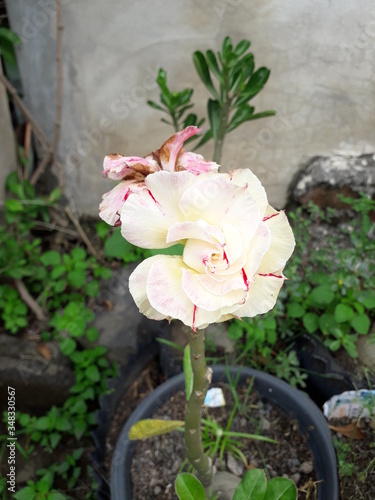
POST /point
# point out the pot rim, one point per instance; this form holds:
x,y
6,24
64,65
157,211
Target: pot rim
x,y
292,401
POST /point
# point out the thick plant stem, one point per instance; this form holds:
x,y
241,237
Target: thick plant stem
x,y
193,433
222,130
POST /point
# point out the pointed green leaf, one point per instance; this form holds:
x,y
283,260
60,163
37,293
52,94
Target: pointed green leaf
x,y
154,105
207,136
227,47
214,115
281,488
151,427
191,119
188,372
243,114
183,109
242,47
213,65
188,487
204,73
253,486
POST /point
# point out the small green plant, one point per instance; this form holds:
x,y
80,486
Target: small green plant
x,y
237,83
175,104
253,486
345,457
41,489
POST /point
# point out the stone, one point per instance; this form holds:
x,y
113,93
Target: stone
x,y
235,466
123,330
306,467
224,485
324,178
39,382
366,349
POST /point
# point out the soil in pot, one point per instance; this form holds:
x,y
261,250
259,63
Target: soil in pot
x,y
157,460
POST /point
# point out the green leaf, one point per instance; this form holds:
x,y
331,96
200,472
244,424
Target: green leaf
x,y
68,346
116,245
10,36
343,313
92,334
166,96
327,323
76,279
63,424
311,322
242,47
154,105
207,136
243,114
257,81
213,65
322,295
281,488
151,427
214,115
204,73
79,427
188,372
42,423
54,439
51,258
253,486
227,47
55,195
188,487
93,373
295,310
78,254
14,205
361,323
27,493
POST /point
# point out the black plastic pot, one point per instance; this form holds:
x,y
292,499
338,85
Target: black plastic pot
x,y
293,402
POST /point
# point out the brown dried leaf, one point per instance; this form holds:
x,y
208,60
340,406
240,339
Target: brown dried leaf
x,y
44,351
351,430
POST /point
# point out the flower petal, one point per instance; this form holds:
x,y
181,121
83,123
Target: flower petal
x,y
262,295
171,148
221,201
194,287
259,246
164,289
282,241
137,288
113,201
198,230
118,167
196,164
245,177
146,217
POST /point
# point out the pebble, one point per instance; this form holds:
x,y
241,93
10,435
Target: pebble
x,y
235,466
265,425
306,467
295,478
157,490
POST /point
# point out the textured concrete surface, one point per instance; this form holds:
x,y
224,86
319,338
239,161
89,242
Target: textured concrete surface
x,y
322,79
7,143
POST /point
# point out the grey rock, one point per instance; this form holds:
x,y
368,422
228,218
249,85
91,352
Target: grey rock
x,y
235,466
325,177
366,350
295,478
39,382
224,485
306,467
123,330
265,424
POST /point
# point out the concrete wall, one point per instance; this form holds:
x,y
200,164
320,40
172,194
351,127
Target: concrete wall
x,y
7,143
322,80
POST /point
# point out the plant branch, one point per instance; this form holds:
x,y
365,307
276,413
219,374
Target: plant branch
x,y
27,298
218,147
26,112
82,234
193,433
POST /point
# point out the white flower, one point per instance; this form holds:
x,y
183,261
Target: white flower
x,y
235,246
